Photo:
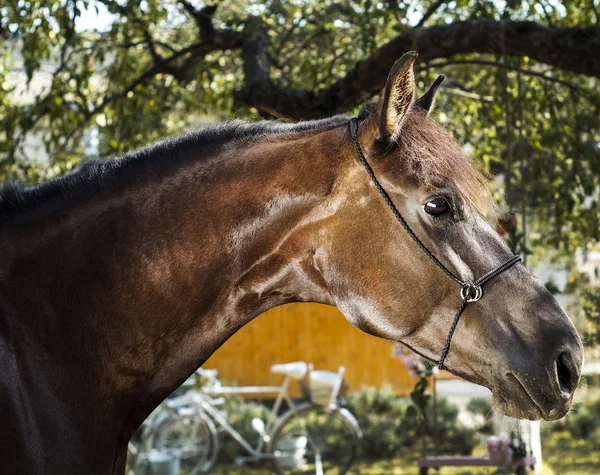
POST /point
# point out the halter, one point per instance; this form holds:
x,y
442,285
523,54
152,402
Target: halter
x,y
469,291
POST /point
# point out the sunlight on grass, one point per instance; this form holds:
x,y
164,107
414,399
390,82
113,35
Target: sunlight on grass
x,y
584,466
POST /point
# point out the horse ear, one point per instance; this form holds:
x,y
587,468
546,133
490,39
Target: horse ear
x,y
397,97
427,101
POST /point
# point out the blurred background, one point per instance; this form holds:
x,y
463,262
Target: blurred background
x,y
89,79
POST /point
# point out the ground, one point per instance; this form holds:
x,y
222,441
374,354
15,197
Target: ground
x,y
575,464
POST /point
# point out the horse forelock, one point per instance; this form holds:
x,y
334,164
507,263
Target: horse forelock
x,y
429,152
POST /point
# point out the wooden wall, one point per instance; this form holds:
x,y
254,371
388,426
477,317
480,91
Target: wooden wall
x,y
314,333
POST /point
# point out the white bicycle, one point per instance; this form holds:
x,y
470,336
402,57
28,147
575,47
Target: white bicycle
x,y
318,437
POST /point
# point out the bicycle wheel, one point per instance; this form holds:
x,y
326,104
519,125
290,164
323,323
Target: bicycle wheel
x,y
192,438
143,439
315,439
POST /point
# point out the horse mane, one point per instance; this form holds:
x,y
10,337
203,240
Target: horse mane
x,y
17,198
428,151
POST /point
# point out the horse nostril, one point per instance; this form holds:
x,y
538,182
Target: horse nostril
x,y
566,370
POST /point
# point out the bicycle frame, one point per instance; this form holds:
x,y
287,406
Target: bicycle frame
x,y
282,395
205,403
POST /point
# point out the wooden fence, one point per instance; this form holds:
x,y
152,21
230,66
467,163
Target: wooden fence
x,y
314,333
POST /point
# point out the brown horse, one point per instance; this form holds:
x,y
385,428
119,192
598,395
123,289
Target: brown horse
x,y
119,280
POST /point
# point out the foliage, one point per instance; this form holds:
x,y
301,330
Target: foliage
x,y
582,422
482,408
418,395
240,415
152,68
571,444
590,307
590,380
585,464
586,310
519,448
380,414
569,456
392,426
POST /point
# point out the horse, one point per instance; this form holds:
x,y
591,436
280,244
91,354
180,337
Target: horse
x,y
120,279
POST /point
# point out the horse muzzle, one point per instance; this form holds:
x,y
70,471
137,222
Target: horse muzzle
x,y
542,391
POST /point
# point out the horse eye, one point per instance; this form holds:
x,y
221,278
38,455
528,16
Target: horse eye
x,y
437,206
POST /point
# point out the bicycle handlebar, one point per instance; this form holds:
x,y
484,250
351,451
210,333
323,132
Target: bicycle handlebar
x,y
190,397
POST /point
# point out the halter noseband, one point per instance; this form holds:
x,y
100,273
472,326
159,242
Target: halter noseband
x,y
469,291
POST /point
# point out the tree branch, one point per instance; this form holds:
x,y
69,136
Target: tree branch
x,y
162,67
527,72
430,11
202,17
569,48
469,95
595,10
148,39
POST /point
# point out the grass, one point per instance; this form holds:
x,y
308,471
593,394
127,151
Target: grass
x,y
567,456
578,461
564,454
569,448
387,467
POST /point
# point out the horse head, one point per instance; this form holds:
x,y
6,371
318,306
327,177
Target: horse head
x,y
514,337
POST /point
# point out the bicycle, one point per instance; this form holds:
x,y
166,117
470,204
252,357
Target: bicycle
x,y
319,436
195,446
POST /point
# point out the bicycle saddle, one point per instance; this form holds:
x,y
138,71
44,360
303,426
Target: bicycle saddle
x,y
295,370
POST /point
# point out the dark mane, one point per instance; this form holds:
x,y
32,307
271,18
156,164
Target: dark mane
x,y
16,198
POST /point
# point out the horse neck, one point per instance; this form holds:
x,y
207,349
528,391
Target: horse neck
x,y
154,279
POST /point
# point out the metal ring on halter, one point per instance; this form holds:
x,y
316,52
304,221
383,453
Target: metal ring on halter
x,y
471,292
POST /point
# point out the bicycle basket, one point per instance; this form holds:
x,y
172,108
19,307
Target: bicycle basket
x,y
324,386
